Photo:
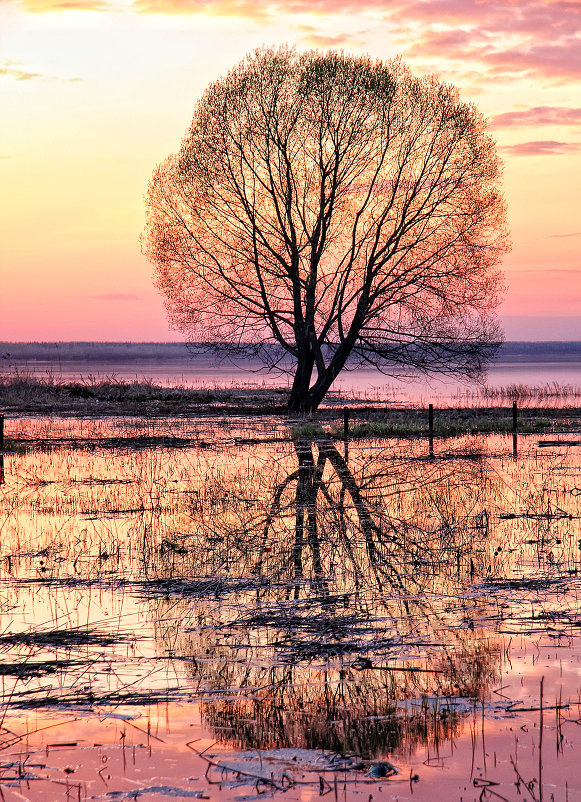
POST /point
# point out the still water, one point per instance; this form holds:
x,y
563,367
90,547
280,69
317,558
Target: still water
x,y
255,614
204,371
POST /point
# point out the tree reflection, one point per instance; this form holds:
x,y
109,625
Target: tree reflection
x,y
350,633
391,525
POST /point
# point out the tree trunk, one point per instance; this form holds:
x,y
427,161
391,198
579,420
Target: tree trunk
x,y
307,399
298,400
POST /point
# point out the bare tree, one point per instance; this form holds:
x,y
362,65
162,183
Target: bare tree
x,y
324,207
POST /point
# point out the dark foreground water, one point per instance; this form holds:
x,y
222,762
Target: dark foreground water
x,y
258,615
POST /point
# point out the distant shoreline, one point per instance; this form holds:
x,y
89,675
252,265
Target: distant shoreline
x,y
58,352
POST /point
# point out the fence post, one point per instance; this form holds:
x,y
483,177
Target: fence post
x,y
431,430
346,433
1,432
514,416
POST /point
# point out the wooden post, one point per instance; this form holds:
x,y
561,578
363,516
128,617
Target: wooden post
x,y
346,423
1,449
431,430
514,416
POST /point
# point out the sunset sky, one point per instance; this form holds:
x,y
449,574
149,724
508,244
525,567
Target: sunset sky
x,y
95,93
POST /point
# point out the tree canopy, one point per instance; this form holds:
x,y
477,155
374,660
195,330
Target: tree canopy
x,y
326,208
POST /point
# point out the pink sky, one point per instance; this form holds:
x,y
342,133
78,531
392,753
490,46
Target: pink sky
x,y
95,93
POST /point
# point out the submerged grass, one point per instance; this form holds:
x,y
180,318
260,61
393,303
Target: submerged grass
x,y
358,600
67,638
28,669
447,426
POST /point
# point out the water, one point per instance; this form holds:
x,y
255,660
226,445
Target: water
x,y
252,614
204,371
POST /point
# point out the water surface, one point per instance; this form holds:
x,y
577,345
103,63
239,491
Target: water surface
x,y
533,364
255,614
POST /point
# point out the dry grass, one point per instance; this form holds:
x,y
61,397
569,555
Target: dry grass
x,y
21,393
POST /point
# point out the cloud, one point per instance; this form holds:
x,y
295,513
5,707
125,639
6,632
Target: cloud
x,y
18,74
558,61
542,148
315,38
115,296
563,236
11,69
538,115
502,39
260,8
507,37
253,9
46,6
523,17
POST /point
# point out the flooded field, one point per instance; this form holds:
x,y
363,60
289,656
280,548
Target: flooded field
x,y
217,609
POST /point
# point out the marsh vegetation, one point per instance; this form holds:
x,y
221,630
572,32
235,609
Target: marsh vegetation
x,y
193,604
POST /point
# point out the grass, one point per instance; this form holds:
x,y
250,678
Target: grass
x,y
521,392
71,637
449,423
13,447
29,394
307,431
21,393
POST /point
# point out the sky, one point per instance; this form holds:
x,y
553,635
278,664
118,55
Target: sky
x,y
95,93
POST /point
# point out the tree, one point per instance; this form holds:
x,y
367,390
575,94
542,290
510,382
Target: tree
x,y
324,207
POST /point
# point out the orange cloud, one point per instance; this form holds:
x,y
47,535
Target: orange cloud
x,y
538,115
18,74
45,6
315,38
222,8
542,148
